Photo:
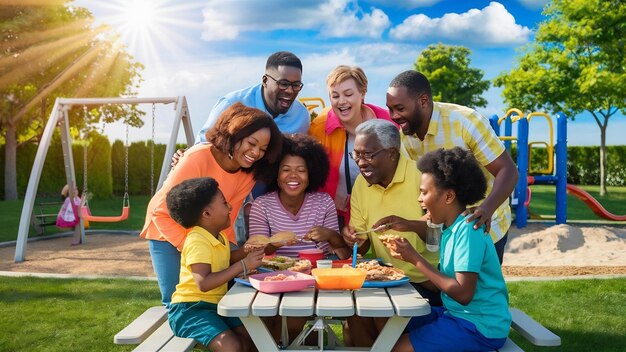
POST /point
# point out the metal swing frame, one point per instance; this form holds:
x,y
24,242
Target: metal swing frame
x,y
59,118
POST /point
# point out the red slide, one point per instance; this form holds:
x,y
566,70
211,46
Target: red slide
x,y
593,204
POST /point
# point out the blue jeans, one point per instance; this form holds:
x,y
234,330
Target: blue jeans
x,y
166,264
500,246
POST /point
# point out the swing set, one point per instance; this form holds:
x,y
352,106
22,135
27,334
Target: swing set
x,y
59,118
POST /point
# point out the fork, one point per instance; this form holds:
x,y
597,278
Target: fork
x,y
378,228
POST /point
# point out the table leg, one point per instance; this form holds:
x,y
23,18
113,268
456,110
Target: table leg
x,y
390,334
259,333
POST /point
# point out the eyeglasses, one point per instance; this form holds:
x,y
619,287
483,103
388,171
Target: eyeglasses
x,y
284,84
365,156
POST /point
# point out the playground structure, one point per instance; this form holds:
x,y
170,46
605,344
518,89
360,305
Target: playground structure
x,y
554,174
59,118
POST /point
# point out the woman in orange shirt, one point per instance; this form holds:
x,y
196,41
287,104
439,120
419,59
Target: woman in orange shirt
x,y
239,149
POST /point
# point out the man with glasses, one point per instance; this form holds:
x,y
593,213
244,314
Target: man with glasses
x,y
386,192
276,95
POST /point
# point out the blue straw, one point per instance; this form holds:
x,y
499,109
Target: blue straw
x,y
354,255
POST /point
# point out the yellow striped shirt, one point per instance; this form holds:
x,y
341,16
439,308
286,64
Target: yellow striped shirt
x,y
452,126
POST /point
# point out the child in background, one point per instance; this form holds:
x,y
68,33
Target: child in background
x,y
475,315
205,267
67,217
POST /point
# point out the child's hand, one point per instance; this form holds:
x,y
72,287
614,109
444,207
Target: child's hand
x,y
254,259
404,248
392,222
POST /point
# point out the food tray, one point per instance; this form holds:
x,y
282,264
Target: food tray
x,y
302,281
338,278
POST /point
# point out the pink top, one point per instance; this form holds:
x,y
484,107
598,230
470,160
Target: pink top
x,y
268,216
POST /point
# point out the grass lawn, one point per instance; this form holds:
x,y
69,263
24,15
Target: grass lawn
x,y
84,315
543,202
12,210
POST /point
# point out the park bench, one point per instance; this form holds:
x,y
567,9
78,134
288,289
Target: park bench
x,y
152,332
45,214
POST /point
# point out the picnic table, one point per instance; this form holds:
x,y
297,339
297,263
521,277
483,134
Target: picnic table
x,y
398,303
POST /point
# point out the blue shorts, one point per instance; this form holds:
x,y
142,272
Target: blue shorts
x,y
442,332
199,321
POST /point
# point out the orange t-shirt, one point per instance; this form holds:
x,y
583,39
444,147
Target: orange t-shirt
x,y
198,161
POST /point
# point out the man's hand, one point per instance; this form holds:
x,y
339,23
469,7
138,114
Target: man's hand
x,y
481,216
177,155
350,238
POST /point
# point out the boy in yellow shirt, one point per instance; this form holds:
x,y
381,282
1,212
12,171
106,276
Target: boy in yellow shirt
x,y
205,267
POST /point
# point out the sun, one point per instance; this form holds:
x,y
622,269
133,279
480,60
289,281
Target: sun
x,y
139,15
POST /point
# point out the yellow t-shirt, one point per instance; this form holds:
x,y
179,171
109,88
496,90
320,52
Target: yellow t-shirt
x,y
452,126
201,247
371,203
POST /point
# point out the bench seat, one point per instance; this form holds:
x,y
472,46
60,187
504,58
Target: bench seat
x,y
152,331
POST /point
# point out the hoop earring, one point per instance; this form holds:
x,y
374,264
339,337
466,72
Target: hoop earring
x,y
230,156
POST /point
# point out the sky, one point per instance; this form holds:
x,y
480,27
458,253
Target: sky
x,y
204,49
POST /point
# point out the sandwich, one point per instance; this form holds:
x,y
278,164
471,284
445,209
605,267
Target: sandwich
x,y
278,262
256,242
284,238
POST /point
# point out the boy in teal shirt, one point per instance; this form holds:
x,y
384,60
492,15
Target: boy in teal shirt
x,y
475,315
206,266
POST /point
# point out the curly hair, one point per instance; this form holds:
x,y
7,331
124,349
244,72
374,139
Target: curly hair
x,y
186,200
314,156
238,122
456,169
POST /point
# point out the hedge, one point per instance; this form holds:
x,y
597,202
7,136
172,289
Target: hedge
x,y
106,166
583,164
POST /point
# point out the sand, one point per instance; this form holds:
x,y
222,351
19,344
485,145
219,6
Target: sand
x,y
537,250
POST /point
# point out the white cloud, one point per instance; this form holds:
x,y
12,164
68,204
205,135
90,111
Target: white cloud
x,y
225,19
406,4
491,26
534,4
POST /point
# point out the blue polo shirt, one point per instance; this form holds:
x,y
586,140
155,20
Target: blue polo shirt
x,y
295,120
464,249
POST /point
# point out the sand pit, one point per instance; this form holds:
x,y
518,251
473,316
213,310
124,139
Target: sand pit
x,y
537,250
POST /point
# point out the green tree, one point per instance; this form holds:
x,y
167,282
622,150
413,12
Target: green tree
x,y
451,78
49,51
577,63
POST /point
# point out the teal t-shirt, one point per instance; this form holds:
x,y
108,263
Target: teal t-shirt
x,y
464,249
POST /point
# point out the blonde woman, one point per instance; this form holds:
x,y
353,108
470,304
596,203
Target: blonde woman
x,y
335,127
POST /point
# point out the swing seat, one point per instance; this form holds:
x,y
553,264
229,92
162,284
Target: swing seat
x,y
85,212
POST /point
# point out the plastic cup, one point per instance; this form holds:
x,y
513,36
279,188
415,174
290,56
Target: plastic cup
x,y
324,263
433,236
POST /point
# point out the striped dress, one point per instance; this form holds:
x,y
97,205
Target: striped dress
x,y
268,216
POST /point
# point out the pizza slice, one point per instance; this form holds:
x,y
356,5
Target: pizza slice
x,y
389,240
